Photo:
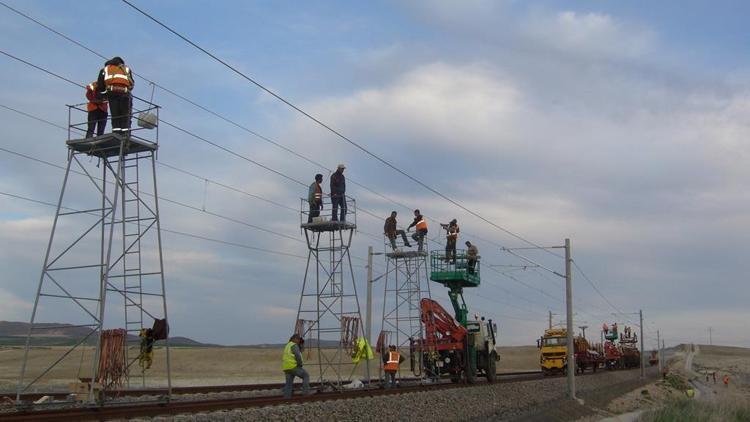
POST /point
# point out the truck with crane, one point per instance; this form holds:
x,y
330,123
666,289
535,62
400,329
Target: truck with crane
x,y
461,348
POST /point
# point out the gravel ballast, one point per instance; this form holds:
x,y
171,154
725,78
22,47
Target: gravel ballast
x,y
506,401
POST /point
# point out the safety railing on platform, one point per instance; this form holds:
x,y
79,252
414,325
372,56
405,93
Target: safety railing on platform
x,y
459,266
322,216
144,114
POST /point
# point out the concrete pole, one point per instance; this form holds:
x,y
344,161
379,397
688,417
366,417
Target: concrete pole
x,y
569,305
710,338
550,320
643,358
368,316
658,348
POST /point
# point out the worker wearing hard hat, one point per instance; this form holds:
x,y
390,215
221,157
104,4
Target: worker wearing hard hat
x,y
291,364
338,193
391,362
116,82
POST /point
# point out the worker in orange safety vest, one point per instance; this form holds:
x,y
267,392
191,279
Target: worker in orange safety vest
x,y
391,362
421,225
97,111
116,82
315,198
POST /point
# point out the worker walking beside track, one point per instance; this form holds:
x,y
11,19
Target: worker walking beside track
x,y
116,82
421,225
391,362
291,363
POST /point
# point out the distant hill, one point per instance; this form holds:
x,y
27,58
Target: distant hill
x,y
13,333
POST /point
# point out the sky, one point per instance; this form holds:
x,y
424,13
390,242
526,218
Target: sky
x,y
619,125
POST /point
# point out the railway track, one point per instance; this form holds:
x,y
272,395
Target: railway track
x,y
174,407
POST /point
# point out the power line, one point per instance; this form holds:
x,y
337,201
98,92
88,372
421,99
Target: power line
x,y
231,122
327,127
226,150
25,198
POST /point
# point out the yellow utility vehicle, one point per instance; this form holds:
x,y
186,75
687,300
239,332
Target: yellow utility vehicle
x,y
553,348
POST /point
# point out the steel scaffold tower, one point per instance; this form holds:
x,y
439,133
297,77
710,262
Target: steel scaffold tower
x,y
328,316
406,284
105,240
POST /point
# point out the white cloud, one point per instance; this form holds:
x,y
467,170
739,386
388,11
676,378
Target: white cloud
x,y
593,34
13,309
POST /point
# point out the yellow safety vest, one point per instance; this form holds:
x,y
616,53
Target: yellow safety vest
x,y
288,361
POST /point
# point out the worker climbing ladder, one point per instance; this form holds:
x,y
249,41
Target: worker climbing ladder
x,y
105,244
328,315
406,284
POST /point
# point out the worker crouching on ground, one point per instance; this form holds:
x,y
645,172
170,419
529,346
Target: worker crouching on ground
x,y
472,254
421,225
116,82
291,363
391,362
338,193
315,198
97,110
451,236
390,230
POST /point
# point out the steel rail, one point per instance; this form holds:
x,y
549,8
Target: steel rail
x,y
156,408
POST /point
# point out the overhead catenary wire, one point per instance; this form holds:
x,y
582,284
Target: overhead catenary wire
x,y
328,127
216,114
256,134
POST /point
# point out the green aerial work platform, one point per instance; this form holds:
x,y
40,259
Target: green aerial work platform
x,y
455,274
450,273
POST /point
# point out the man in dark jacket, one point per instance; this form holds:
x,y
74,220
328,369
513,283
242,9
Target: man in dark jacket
x,y
390,230
338,193
116,82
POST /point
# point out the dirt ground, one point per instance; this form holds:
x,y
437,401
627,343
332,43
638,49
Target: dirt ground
x,y
198,366
734,361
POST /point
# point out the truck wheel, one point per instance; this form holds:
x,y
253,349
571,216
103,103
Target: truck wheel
x,y
491,368
471,376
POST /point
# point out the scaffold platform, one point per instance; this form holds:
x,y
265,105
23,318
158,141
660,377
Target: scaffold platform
x,y
108,145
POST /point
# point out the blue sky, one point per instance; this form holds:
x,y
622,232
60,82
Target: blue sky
x,y
620,125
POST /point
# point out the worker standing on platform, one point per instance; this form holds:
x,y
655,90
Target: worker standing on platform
x,y
390,230
315,198
291,363
472,254
97,110
391,362
421,225
451,237
338,193
116,82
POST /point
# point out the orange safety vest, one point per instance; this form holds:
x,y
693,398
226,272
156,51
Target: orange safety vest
x,y
318,193
392,364
91,96
117,78
422,224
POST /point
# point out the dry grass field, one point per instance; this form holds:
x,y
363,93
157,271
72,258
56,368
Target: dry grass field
x,y
198,365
